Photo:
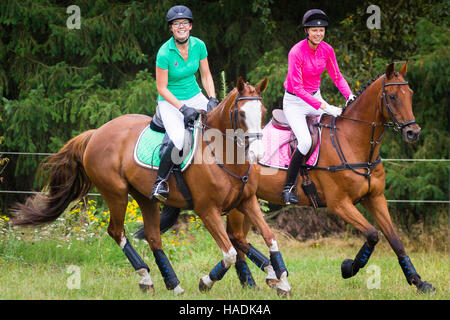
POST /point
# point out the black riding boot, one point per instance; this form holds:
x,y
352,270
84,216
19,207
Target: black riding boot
x,y
288,195
161,187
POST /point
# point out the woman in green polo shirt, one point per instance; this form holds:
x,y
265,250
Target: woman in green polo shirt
x,y
180,96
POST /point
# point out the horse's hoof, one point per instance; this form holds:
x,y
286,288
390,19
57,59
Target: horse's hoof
x,y
203,287
250,286
272,283
426,287
283,293
147,288
347,268
178,290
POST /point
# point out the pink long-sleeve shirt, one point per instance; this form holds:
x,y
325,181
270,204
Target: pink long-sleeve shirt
x,y
305,65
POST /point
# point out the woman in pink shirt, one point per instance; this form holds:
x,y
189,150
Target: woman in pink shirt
x,y
306,62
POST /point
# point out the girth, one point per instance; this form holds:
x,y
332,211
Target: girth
x,y
345,165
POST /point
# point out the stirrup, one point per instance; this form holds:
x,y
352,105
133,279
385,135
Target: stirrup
x,y
289,197
160,192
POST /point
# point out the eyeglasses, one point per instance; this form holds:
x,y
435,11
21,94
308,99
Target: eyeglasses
x,y
178,24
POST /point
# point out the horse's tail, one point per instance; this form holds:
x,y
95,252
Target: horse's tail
x,y
67,182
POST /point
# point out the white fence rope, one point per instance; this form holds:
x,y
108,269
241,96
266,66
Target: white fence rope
x,y
97,194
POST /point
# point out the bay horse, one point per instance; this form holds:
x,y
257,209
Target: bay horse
x,y
349,171
104,158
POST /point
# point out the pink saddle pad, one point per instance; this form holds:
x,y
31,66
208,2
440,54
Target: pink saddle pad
x,y
276,142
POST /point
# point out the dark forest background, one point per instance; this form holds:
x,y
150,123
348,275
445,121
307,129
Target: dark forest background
x,y
57,82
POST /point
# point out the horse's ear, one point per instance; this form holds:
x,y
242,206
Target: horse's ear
x,y
404,69
390,71
240,85
262,86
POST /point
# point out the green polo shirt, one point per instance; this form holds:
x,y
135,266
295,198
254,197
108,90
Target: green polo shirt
x,y
182,82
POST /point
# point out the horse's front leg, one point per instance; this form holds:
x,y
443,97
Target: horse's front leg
x,y
238,226
212,220
350,214
377,206
250,207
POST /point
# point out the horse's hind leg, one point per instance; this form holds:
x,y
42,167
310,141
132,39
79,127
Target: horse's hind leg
x,y
377,205
251,209
150,214
238,226
117,204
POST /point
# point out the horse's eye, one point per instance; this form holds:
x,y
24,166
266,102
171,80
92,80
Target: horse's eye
x,y
392,97
242,114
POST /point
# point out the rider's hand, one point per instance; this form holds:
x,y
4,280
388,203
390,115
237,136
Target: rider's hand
x,y
212,103
350,99
332,110
190,114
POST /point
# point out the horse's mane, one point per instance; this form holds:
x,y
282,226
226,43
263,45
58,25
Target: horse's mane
x,y
363,88
226,99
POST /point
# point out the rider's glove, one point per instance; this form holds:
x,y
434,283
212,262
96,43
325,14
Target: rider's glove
x,y
332,110
350,99
190,114
212,103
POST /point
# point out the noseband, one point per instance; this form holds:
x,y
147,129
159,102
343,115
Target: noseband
x,y
398,125
235,123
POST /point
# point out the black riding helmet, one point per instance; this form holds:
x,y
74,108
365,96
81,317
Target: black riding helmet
x,y
179,12
315,18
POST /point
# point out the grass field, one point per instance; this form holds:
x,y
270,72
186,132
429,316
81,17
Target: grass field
x,y
46,263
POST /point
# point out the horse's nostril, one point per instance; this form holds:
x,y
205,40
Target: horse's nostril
x,y
412,135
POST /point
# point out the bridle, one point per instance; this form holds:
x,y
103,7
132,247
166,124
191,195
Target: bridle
x,y
242,140
235,123
398,125
371,164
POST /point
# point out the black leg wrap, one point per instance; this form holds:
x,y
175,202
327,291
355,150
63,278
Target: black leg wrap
x,y
257,257
134,258
277,263
244,274
349,267
408,269
363,255
218,271
170,278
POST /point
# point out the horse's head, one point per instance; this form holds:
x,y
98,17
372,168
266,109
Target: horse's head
x,y
396,102
248,115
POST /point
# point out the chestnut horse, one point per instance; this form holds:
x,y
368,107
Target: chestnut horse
x,y
104,158
342,179
349,171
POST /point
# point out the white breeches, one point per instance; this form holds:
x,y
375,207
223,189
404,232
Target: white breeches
x,y
173,119
296,110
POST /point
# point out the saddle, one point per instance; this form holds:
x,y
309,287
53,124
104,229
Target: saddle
x,y
280,122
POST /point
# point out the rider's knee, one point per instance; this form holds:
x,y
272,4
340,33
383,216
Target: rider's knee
x,y
304,145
